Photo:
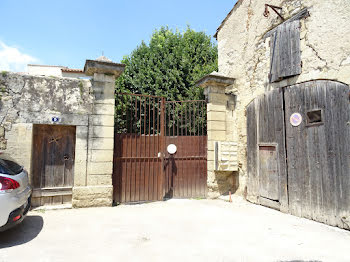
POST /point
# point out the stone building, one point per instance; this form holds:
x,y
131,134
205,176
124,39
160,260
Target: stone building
x,y
52,70
62,131
282,91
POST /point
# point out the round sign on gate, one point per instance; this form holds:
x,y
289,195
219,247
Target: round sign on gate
x,y
171,149
296,119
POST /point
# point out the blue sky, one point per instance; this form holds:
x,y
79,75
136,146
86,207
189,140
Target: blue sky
x,y
69,32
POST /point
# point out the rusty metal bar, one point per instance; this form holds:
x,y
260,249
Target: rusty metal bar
x,y
174,115
162,137
140,95
185,101
177,120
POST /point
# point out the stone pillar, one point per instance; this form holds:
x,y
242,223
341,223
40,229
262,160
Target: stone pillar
x,y
97,189
219,129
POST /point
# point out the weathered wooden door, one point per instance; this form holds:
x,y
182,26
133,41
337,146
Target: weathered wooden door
x,y
319,151
268,172
299,150
267,176
53,162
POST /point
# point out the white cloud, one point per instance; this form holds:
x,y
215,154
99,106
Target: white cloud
x,y
11,59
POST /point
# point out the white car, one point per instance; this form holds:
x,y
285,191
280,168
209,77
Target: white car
x,y
15,193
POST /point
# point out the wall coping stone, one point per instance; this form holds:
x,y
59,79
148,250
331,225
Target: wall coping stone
x,y
102,67
214,79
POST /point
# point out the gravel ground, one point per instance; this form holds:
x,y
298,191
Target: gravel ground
x,y
174,230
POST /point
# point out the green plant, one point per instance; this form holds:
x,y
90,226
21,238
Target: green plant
x,y
169,65
4,73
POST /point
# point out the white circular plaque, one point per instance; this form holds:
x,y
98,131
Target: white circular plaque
x,y
295,119
171,149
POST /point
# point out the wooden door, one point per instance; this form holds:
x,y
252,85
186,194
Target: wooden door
x,y
267,175
268,172
53,162
319,151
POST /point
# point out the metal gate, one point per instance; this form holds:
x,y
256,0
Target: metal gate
x,y
143,170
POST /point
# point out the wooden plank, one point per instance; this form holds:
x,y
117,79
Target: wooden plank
x,y
294,32
40,192
268,172
275,56
302,14
269,203
252,186
284,50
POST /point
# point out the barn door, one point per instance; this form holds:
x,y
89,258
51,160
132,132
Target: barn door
x,y
267,177
318,150
53,163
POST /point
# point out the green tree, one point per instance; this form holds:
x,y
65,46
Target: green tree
x,y
169,65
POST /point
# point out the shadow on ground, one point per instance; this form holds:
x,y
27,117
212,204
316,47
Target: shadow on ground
x,y
23,233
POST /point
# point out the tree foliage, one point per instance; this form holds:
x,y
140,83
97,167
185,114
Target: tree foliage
x,y
169,65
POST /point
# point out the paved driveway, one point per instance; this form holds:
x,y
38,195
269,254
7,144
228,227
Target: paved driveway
x,y
175,230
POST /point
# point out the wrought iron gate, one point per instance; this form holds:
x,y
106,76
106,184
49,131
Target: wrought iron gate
x,y
144,127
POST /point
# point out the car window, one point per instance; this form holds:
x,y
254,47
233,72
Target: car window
x,y
9,166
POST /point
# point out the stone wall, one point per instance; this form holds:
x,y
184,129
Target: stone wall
x,y
87,104
245,55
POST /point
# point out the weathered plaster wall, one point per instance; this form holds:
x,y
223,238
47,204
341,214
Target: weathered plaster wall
x,y
86,104
245,55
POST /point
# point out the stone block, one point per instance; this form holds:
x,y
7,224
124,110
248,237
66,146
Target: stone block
x,y
100,168
216,135
80,155
2,131
92,202
102,120
216,125
216,107
3,143
98,180
103,109
102,155
216,116
81,143
103,78
103,132
210,155
92,196
103,143
80,173
211,165
218,99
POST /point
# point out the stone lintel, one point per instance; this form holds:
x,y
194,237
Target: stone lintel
x,y
103,67
215,80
